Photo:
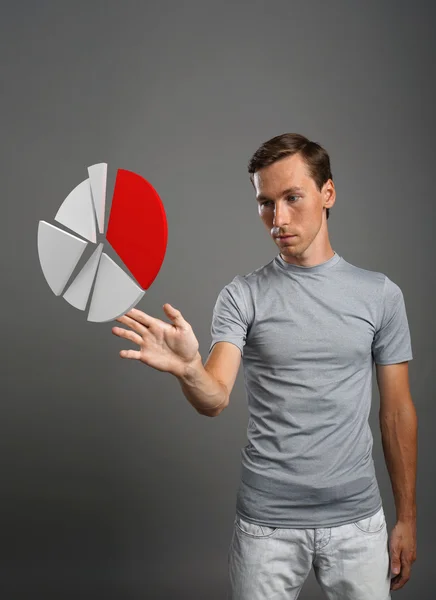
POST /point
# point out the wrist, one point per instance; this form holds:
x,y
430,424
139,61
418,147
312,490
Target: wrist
x,y
408,518
189,370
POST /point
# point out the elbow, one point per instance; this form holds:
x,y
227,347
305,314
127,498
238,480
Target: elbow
x,y
208,413
214,412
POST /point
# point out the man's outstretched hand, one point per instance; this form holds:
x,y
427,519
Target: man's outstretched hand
x,y
169,347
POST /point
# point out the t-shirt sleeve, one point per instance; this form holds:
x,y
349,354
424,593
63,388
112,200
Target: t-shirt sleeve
x,y
392,343
229,319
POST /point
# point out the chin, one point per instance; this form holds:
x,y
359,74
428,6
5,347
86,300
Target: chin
x,y
289,248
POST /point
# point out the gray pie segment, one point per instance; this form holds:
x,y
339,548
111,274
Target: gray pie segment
x,y
78,292
115,293
98,178
59,252
77,211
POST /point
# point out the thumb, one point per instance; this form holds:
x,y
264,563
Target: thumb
x,y
395,563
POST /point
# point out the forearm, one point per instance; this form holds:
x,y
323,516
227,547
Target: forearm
x,y
207,395
399,439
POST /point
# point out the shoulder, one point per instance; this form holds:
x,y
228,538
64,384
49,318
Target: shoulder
x,y
368,276
380,287
245,283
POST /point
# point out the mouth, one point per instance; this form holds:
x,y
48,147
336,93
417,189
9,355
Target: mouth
x,y
285,237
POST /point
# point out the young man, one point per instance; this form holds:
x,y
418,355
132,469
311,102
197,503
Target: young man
x,y
309,326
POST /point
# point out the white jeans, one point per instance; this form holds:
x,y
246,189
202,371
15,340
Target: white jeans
x,y
351,562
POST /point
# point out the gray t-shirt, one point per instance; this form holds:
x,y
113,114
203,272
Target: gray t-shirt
x,y
308,338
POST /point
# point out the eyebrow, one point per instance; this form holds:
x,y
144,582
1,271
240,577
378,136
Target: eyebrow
x,y
293,188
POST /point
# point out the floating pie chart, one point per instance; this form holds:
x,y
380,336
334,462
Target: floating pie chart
x,y
137,231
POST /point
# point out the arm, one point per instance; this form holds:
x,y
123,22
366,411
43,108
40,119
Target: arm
x,y
399,424
173,348
208,388
207,395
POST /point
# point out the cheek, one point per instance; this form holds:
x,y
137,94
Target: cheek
x,y
266,215
311,214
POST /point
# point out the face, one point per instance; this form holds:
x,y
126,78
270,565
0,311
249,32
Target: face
x,y
289,203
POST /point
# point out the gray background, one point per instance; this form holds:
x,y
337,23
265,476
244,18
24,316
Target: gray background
x,y
112,485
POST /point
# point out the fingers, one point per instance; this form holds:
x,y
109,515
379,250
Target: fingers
x,y
175,315
130,354
140,317
141,323
133,323
128,335
398,581
403,576
147,321
138,323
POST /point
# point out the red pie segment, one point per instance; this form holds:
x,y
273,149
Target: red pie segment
x,y
137,228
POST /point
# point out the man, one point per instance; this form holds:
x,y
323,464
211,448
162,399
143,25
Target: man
x,y
309,326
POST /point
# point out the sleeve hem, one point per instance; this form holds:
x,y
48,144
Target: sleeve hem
x,y
233,341
393,361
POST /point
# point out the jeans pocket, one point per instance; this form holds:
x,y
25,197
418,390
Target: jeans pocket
x,y
253,529
372,524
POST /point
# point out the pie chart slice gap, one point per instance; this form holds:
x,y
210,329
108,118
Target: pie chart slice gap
x,y
115,292
98,179
59,252
77,211
78,292
137,228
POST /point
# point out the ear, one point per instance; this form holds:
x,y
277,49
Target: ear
x,y
329,193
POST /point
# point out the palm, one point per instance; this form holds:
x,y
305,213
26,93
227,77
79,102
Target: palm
x,y
167,345
163,346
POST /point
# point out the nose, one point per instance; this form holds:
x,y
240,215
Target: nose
x,y
281,216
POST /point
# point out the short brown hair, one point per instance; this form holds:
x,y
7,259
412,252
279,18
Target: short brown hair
x,y
287,144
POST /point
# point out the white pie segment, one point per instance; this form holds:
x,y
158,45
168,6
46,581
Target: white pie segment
x,y
97,177
115,293
59,252
77,211
78,292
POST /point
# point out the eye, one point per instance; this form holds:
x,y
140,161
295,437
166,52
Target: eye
x,y
292,198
